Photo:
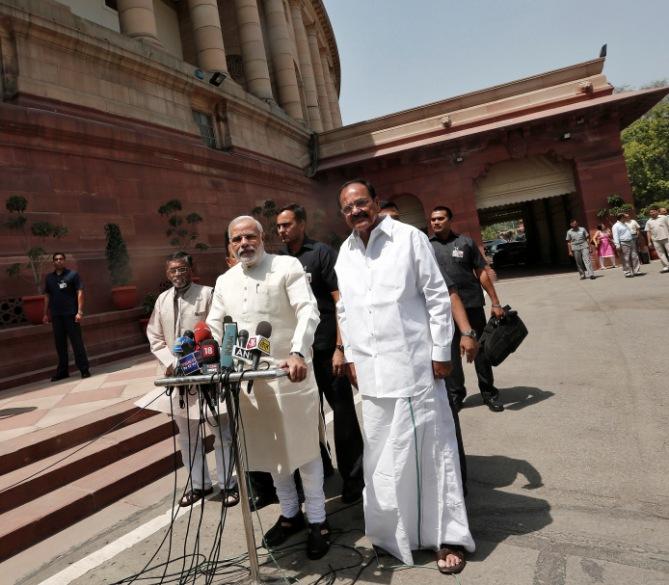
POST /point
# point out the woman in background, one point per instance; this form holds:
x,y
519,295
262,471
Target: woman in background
x,y
602,241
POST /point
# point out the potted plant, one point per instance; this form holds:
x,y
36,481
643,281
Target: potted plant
x,y
181,230
124,295
34,237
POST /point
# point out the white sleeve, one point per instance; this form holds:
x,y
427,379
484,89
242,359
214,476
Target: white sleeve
x,y
156,336
217,312
303,301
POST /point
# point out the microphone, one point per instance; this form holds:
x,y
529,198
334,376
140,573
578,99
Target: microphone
x,y
183,345
210,365
228,343
261,346
242,338
202,332
184,348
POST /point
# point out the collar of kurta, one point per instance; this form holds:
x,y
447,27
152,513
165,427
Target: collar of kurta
x,y
384,226
246,268
180,292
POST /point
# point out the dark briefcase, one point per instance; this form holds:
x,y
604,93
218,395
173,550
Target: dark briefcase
x,y
502,337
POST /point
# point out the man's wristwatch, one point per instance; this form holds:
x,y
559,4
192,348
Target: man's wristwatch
x,y
471,333
297,353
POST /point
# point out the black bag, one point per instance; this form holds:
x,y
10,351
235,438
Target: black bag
x,y
644,256
502,337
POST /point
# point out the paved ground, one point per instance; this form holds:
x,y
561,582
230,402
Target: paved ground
x,y
570,485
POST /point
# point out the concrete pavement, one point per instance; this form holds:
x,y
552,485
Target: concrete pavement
x,y
568,486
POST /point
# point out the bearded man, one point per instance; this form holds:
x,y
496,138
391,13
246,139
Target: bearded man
x,y
280,418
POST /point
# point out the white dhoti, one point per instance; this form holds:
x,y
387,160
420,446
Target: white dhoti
x,y
413,496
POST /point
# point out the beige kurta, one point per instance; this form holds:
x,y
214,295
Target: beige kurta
x,y
163,329
280,418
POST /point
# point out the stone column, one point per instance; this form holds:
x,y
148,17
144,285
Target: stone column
x,y
331,91
254,56
306,67
137,20
208,35
282,59
323,100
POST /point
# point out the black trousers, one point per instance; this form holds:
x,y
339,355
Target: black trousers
x,y
339,394
64,326
455,383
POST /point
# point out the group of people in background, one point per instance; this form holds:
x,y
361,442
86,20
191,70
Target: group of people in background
x,y
626,239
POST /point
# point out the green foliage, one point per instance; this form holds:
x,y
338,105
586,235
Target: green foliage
x,y
181,236
616,205
646,148
34,239
118,261
662,203
266,215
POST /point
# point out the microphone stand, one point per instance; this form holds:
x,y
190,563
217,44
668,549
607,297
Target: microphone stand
x,y
231,383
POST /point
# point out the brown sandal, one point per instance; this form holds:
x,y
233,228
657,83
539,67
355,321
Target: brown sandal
x,y
454,550
192,496
230,497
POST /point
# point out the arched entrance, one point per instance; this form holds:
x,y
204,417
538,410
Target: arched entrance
x,y
530,201
411,210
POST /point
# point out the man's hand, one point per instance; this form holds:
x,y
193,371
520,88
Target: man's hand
x,y
338,363
441,369
296,366
469,347
497,312
169,370
352,374
78,317
45,319
571,252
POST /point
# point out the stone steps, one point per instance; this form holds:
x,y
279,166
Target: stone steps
x,y
52,478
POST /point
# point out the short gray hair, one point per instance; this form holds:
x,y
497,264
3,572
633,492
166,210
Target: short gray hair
x,y
240,219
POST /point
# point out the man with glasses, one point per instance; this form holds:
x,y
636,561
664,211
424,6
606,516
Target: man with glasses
x,y
178,309
395,319
65,302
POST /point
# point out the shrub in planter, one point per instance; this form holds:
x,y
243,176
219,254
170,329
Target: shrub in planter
x,y
124,295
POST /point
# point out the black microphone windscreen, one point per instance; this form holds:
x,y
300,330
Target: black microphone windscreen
x,y
189,333
227,319
264,328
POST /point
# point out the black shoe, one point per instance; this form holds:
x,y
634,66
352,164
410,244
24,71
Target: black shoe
x,y
86,374
593,277
56,378
318,541
259,501
352,490
283,530
189,498
494,404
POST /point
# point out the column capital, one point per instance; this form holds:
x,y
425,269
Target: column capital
x,y
138,20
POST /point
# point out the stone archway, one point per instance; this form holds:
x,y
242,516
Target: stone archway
x,y
411,210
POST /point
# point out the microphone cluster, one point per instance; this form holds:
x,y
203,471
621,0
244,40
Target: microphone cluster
x,y
199,353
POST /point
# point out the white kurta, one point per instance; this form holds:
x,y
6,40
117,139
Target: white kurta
x,y
395,319
280,419
163,329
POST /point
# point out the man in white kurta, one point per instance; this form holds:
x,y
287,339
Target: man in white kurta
x,y
395,318
279,418
176,310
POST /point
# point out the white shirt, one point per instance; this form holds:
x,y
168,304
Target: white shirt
x,y
633,226
621,233
394,310
658,228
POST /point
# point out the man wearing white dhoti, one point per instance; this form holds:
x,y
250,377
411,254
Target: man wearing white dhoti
x,y
395,320
279,418
178,309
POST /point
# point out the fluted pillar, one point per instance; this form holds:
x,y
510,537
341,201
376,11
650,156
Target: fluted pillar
x,y
252,44
323,99
331,91
282,59
138,20
208,35
306,67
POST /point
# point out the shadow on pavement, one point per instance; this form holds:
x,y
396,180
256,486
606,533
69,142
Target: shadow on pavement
x,y
514,398
494,515
7,412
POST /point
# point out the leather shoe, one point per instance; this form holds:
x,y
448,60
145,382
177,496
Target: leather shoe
x,y
318,541
56,378
283,530
86,374
494,404
189,498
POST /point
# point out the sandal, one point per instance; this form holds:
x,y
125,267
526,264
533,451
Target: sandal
x,y
454,550
195,495
230,497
